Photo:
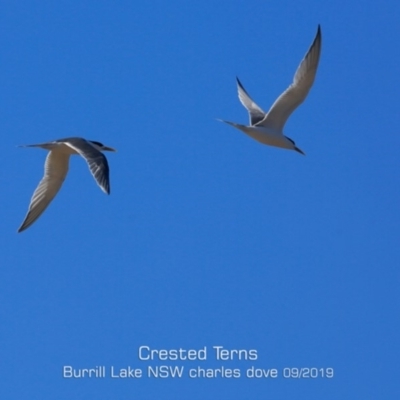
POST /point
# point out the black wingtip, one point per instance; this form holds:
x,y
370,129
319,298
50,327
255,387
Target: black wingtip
x,y
22,228
107,188
299,151
319,31
317,39
239,83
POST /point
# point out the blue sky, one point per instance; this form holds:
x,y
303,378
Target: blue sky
x,y
208,238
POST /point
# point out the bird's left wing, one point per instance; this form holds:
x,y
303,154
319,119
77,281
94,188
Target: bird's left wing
x,y
55,171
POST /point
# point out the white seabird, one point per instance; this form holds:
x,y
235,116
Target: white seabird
x,y
56,168
267,128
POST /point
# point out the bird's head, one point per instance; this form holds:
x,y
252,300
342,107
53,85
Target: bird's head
x,y
101,147
294,147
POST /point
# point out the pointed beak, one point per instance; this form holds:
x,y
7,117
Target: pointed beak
x,y
105,148
299,151
226,122
234,124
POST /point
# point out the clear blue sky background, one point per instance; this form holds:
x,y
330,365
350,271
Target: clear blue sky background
x,y
208,238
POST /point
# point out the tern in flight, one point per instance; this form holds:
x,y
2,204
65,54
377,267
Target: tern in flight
x,y
267,128
56,168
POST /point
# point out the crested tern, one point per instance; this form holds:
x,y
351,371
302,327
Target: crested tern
x,y
56,168
267,128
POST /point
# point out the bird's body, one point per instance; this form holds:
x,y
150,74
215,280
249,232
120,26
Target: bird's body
x,y
267,128
264,135
56,169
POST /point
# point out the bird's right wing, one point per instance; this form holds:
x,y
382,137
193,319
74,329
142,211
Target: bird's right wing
x,y
96,160
55,171
256,114
296,93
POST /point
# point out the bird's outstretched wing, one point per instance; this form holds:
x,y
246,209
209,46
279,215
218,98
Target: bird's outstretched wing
x,y
96,160
256,114
55,171
295,94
